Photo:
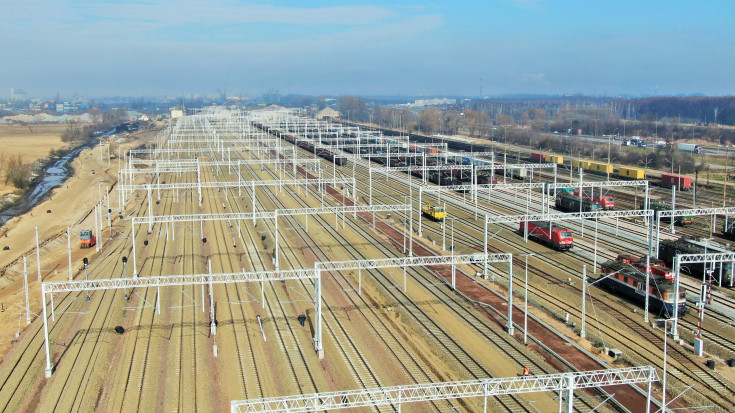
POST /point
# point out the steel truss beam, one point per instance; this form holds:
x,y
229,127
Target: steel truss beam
x,y
507,219
410,261
159,170
696,211
425,168
397,395
233,184
468,154
709,257
588,184
451,188
175,280
517,166
270,215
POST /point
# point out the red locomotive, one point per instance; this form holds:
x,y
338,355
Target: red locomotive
x,y
545,232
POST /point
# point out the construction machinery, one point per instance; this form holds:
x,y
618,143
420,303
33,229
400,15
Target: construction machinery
x,y
87,239
433,212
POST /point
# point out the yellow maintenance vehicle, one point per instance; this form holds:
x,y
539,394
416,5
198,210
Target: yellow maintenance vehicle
x,y
433,212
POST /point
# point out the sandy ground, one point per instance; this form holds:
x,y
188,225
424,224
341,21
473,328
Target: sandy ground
x,y
70,206
97,370
165,361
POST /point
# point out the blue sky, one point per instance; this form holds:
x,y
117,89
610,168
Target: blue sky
x,y
116,47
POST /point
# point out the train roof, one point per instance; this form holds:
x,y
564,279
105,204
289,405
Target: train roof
x,y
695,246
635,273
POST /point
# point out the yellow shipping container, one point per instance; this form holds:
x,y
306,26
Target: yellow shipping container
x,y
580,163
632,173
600,167
557,159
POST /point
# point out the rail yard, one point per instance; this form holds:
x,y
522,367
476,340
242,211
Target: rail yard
x,y
237,259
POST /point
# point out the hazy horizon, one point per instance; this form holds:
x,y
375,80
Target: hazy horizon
x,y
146,48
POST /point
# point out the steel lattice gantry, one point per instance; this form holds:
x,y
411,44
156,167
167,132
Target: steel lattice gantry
x,y
261,276
693,211
497,219
425,392
404,262
260,215
164,281
693,258
124,189
473,187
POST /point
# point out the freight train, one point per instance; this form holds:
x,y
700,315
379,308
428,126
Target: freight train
x,y
571,203
681,182
668,249
625,280
547,233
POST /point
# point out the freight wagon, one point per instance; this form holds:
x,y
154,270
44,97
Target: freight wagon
x,y
580,163
679,181
542,157
547,233
631,173
599,167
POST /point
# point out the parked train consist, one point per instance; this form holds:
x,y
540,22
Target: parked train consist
x,y
547,233
571,203
626,280
657,206
669,248
607,202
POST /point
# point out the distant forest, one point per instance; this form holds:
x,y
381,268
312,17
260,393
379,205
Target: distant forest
x,y
696,108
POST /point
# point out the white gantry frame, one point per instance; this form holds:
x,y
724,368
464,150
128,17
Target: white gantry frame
x,y
164,281
259,276
426,392
404,262
236,216
320,183
497,219
692,258
683,212
474,187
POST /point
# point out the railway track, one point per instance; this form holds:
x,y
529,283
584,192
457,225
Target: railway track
x,y
703,376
